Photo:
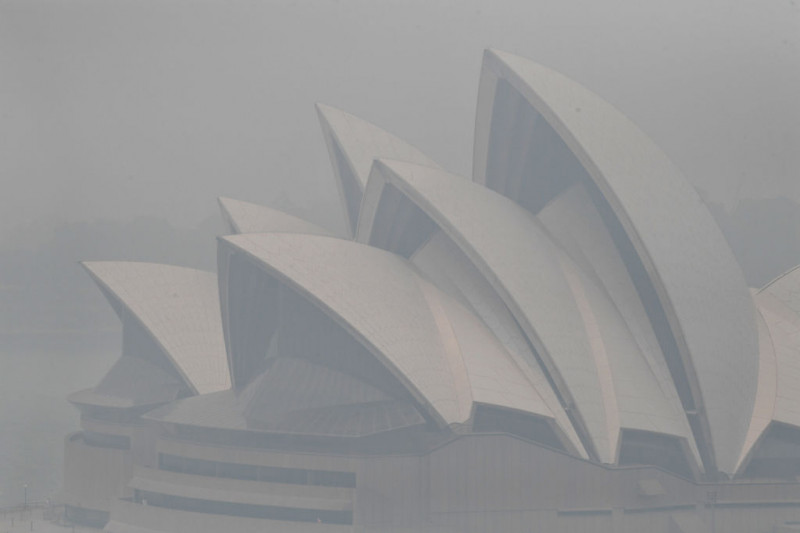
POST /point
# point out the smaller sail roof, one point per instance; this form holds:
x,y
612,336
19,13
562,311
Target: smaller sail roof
x,y
778,394
246,217
179,308
786,288
353,144
783,324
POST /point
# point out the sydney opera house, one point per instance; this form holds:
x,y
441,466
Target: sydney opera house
x,y
562,343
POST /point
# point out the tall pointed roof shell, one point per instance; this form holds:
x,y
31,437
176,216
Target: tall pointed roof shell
x,y
353,144
246,217
692,270
179,308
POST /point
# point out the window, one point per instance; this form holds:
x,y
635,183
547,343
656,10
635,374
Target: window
x,y
271,474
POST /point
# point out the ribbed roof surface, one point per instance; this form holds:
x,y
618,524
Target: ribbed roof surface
x,y
574,223
778,397
691,267
179,307
783,324
576,328
353,144
440,351
577,278
445,264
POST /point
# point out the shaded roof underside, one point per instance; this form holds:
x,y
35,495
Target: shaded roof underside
x,y
778,398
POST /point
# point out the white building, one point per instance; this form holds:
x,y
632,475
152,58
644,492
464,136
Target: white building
x,y
563,343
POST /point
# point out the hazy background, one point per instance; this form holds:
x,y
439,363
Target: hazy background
x,y
122,121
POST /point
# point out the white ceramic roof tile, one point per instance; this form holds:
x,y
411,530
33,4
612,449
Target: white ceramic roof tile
x,y
640,400
246,217
766,395
642,380
573,221
509,247
179,307
362,142
778,396
359,142
692,268
438,347
493,376
784,330
786,288
446,265
377,298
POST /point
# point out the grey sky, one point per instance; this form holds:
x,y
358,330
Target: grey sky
x,y
115,109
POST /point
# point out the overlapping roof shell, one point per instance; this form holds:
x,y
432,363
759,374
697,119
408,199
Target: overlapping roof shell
x,y
576,278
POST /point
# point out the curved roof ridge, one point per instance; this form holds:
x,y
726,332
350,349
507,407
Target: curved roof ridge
x,y
424,337
445,264
543,309
353,143
492,374
248,217
574,223
767,392
551,298
778,278
783,323
353,275
707,306
637,398
179,308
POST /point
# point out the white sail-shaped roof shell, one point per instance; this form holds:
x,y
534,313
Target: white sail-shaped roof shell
x,y
586,345
445,264
353,144
690,266
783,323
246,217
438,349
179,308
574,223
778,398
